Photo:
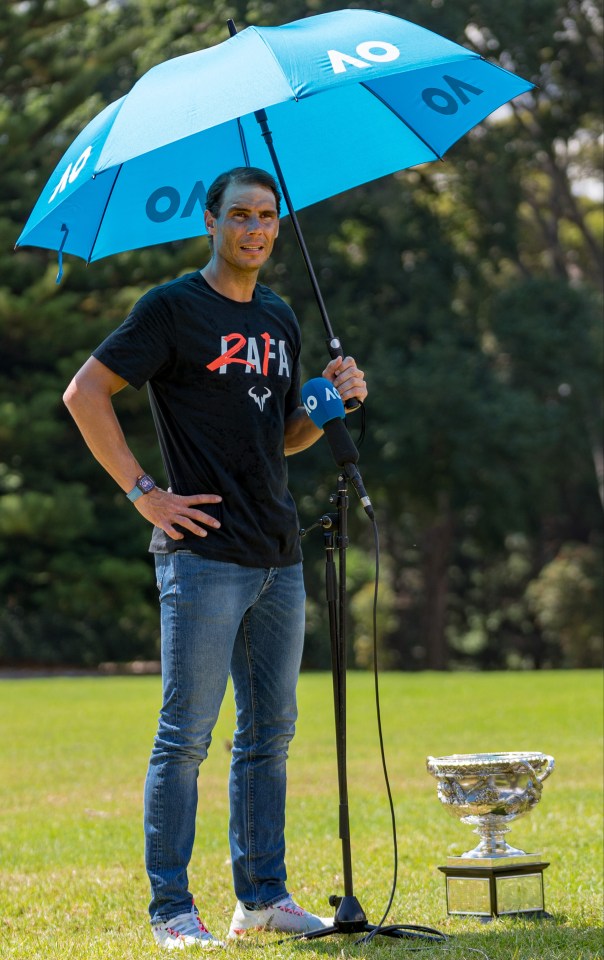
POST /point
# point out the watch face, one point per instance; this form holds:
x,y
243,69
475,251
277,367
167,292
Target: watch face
x,y
145,483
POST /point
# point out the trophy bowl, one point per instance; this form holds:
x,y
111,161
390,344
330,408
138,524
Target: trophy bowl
x,y
490,791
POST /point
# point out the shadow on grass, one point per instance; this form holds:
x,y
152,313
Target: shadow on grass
x,y
503,939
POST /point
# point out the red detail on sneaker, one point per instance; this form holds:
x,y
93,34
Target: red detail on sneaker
x,y
296,913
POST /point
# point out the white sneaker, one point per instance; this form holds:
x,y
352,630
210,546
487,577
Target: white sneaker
x,y
285,916
185,930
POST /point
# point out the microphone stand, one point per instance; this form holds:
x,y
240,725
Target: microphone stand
x,y
349,916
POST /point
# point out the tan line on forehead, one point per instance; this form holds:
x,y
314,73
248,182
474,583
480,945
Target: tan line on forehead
x,y
246,207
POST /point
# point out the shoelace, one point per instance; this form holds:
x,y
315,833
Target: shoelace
x,y
288,906
189,927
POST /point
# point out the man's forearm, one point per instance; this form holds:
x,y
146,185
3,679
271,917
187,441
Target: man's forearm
x,y
300,432
89,400
92,410
349,381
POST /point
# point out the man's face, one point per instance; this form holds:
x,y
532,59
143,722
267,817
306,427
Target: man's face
x,y
246,228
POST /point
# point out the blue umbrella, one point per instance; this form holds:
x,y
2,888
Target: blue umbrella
x,y
351,96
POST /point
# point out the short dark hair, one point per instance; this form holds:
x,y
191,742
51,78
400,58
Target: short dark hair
x,y
247,175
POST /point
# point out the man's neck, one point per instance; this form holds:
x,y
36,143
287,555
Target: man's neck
x,y
234,284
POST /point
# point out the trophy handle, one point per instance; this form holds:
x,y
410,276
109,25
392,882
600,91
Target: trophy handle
x,y
548,769
433,767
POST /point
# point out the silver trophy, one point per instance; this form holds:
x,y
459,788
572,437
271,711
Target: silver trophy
x,y
489,791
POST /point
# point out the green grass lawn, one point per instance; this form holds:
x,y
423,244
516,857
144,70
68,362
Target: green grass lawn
x,y
73,761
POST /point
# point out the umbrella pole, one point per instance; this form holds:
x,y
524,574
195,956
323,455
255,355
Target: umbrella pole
x,y
333,343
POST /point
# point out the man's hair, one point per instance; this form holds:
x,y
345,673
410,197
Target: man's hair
x,y
252,176
247,175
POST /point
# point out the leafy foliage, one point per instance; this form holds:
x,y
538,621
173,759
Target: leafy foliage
x,y
468,291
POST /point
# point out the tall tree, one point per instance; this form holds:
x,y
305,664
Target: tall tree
x,y
467,290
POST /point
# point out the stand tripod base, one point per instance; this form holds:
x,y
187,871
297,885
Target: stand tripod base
x,y
350,918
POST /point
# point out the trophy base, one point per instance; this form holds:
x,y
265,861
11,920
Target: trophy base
x,y
495,887
517,860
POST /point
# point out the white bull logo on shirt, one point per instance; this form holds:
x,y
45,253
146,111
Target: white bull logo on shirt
x,y
260,399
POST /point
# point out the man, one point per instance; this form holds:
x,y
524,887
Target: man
x,y
220,355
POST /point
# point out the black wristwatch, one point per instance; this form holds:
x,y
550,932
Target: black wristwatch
x,y
144,484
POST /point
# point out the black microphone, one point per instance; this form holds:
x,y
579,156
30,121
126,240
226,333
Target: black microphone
x,y
324,406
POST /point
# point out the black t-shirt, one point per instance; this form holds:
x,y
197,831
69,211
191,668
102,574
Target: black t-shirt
x,y
222,378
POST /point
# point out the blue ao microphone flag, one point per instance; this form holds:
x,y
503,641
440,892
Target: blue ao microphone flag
x,y
324,406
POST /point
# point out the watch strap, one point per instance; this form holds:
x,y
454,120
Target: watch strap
x,y
144,484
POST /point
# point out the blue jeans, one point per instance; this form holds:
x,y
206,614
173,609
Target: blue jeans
x,y
218,618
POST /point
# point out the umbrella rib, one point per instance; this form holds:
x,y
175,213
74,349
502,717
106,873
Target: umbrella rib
x,y
276,62
244,149
102,217
402,119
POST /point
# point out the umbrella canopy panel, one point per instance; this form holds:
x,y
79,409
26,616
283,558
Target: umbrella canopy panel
x,y
262,66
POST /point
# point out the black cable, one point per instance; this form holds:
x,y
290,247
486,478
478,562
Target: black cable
x,y
361,436
369,937
380,926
